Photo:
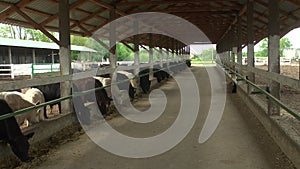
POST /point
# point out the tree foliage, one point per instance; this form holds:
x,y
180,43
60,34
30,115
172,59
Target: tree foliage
x,y
18,32
207,55
284,44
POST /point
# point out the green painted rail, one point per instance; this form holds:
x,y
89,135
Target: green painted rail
x,y
268,95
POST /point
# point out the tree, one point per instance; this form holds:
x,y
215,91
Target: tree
x,y
284,44
123,53
18,32
209,54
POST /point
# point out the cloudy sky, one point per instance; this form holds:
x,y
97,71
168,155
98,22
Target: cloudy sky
x,y
294,37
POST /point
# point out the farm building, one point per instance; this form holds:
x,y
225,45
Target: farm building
x,y
13,51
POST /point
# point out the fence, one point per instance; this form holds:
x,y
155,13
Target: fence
x,y
13,70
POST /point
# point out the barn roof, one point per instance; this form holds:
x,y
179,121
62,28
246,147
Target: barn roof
x,y
216,18
39,45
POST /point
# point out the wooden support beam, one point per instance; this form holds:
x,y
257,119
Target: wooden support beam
x,y
128,46
12,9
274,54
250,39
65,53
36,25
112,39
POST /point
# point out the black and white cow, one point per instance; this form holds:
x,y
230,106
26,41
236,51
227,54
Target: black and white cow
x,y
10,132
127,81
51,92
99,96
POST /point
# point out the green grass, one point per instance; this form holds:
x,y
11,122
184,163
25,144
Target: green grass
x,y
198,61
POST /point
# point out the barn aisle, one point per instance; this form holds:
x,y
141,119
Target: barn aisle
x,y
233,145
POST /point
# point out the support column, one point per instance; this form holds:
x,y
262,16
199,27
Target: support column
x,y
112,40
161,57
10,55
233,53
173,49
151,55
176,51
160,52
33,56
228,56
136,48
250,39
65,53
274,54
52,57
189,52
168,57
239,39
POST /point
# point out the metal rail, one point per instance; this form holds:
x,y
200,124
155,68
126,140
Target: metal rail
x,y
76,94
268,95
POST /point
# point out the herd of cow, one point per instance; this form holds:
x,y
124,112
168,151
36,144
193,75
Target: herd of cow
x,y
127,85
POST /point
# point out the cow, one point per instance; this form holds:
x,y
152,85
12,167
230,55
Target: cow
x,y
50,92
34,95
102,99
18,101
145,83
11,133
106,82
188,63
127,81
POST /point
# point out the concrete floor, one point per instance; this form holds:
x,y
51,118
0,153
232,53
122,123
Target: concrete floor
x,y
233,144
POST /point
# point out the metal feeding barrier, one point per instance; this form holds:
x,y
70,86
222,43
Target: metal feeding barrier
x,y
76,94
266,93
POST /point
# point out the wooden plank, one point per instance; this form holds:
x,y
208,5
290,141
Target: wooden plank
x,y
282,79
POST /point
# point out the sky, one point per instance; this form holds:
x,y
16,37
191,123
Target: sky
x,y
294,37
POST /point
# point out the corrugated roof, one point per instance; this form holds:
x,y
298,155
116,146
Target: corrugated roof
x,y
39,45
215,18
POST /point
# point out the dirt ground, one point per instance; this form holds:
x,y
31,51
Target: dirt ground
x,y
289,96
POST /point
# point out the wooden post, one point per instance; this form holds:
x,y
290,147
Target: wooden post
x,y
52,57
274,54
160,52
172,48
250,38
65,53
10,55
112,40
151,55
33,56
239,39
136,48
233,53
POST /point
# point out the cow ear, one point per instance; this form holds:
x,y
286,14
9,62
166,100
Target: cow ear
x,y
28,136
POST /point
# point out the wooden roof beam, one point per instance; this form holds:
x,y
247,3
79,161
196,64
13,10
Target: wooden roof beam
x,y
53,17
165,2
12,10
35,25
241,12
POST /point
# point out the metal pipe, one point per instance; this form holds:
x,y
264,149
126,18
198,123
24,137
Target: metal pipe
x,y
269,96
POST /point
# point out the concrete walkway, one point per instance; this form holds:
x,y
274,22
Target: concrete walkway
x,y
233,145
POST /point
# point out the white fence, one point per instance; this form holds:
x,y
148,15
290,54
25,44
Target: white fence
x,y
13,70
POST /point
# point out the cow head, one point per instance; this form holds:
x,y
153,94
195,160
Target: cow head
x,y
105,105
20,147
